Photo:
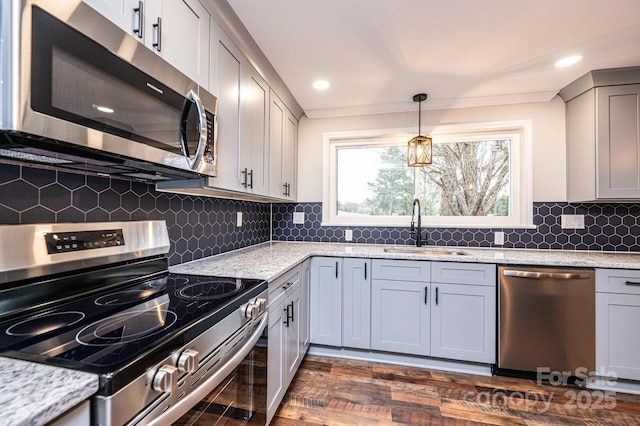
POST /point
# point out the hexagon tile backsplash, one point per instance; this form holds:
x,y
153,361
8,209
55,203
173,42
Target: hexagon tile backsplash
x,y
608,227
198,227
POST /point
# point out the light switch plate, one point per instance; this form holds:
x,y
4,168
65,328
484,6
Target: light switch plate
x,y
298,218
238,219
572,221
348,235
498,238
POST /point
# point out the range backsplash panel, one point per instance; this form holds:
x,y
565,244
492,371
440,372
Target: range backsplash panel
x,y
198,226
608,227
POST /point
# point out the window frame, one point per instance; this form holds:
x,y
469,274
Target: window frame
x,y
521,156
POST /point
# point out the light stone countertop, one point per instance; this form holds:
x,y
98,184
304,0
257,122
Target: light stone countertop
x,y
269,260
34,394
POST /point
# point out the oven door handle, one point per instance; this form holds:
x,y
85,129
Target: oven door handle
x,y
185,404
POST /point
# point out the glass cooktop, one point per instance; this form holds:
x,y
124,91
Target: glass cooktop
x,y
106,331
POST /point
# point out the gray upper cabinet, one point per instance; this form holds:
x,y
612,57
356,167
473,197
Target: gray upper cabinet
x,y
177,30
603,136
226,83
283,134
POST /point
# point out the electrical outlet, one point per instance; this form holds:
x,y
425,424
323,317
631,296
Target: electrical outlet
x,y
238,219
348,235
498,238
572,221
298,218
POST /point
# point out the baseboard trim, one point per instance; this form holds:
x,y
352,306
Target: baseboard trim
x,y
408,360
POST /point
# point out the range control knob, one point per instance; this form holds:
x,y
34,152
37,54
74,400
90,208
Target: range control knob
x,y
250,310
188,361
165,379
261,303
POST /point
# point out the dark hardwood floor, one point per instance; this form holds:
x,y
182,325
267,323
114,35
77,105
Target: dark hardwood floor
x,y
334,391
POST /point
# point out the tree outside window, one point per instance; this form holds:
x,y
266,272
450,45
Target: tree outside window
x,y
467,178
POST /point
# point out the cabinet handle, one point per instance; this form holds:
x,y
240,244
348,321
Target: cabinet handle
x,y
336,269
365,270
244,172
436,296
251,179
287,285
140,12
292,313
158,32
284,189
286,315
633,283
426,298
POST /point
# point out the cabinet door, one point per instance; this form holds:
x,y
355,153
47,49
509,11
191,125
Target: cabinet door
x,y
294,331
228,78
304,308
326,301
617,335
277,114
254,143
183,38
276,357
400,316
289,153
120,12
356,303
463,322
618,141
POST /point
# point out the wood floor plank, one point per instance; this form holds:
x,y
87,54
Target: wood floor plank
x,y
340,392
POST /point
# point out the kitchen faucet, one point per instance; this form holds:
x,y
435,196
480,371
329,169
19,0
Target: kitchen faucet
x,y
412,229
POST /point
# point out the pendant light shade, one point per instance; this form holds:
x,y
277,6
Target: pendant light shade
x,y
419,148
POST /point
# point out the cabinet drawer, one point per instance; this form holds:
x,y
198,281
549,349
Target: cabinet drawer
x,y
625,281
463,273
278,287
401,270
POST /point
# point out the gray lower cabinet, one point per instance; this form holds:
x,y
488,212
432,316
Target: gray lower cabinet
x,y
400,316
463,311
400,308
326,301
356,303
439,309
286,346
617,309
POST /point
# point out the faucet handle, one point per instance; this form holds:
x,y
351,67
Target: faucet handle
x,y
412,228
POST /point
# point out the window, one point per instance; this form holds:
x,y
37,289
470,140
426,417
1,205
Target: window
x,y
479,178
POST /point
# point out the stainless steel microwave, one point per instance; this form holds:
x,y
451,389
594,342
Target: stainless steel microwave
x,y
80,93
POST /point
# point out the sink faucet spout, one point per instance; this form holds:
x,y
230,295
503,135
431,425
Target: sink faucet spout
x,y
413,230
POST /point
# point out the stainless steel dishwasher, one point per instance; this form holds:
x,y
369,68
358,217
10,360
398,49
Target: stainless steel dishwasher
x,y
546,319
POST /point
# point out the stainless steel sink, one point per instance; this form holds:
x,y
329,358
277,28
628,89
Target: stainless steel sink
x,y
422,250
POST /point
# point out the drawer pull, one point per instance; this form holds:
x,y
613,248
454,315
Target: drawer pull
x,y
632,283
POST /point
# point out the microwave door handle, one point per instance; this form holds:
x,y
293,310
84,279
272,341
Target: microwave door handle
x,y
194,161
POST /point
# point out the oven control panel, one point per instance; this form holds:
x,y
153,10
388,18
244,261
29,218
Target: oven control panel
x,y
64,242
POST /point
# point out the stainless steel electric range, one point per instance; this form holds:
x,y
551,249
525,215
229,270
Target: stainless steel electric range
x,y
98,297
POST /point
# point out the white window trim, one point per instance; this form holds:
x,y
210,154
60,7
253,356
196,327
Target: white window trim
x,y
522,187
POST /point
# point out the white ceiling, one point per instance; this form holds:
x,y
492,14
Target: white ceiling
x,y
378,53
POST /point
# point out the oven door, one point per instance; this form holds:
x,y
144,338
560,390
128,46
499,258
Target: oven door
x,y
232,391
241,397
81,90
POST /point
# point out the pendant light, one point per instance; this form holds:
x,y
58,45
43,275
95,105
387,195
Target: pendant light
x,y
419,148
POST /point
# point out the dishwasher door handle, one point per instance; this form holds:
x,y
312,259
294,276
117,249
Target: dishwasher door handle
x,y
546,275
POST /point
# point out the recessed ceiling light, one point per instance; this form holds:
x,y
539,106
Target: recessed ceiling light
x,y
568,61
321,84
